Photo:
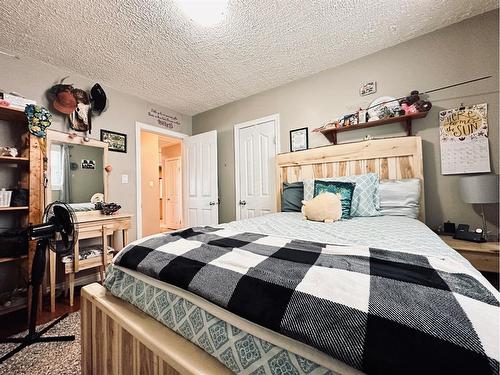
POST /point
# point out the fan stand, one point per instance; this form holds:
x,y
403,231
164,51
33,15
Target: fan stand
x,y
34,336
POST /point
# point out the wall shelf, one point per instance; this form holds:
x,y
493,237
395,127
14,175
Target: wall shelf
x,y
406,120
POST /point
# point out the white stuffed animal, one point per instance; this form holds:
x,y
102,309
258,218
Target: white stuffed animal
x,y
323,207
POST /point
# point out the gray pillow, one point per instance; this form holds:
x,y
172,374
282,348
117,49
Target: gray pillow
x,y
291,199
400,197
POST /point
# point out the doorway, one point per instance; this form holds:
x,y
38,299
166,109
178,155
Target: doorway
x,y
155,185
256,145
193,192
161,188
170,174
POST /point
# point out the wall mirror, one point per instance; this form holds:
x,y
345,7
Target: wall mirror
x,y
75,170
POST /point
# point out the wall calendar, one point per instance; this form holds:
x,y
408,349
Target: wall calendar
x,y
463,134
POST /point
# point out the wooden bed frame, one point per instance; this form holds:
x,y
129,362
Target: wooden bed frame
x,y
118,338
391,158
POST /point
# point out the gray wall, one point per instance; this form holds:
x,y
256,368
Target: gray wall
x,y
32,78
456,53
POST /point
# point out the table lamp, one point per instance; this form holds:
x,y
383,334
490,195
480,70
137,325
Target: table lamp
x,y
480,189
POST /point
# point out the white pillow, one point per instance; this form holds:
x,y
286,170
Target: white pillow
x,y
400,197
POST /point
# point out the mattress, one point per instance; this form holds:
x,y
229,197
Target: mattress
x,y
247,348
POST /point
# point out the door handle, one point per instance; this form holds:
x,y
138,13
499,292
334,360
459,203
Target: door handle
x,y
212,203
242,203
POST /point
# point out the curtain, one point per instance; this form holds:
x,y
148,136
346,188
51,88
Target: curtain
x,y
65,195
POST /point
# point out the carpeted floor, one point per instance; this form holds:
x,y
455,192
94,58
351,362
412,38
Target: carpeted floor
x,y
47,358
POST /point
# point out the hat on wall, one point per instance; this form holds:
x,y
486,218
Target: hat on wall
x,y
65,102
98,97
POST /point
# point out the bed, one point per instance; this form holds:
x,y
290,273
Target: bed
x,y
124,327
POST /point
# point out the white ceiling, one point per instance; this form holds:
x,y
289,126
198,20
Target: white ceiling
x,y
151,49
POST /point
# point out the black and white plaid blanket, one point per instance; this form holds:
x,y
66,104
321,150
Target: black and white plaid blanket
x,y
379,311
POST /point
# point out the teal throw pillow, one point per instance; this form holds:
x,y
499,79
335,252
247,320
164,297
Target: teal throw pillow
x,y
344,189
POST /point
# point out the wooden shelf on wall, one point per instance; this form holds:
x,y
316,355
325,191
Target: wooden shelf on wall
x,y
406,120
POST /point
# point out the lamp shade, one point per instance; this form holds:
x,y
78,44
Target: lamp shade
x,y
480,189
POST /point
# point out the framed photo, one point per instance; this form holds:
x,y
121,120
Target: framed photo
x,y
116,141
299,139
368,88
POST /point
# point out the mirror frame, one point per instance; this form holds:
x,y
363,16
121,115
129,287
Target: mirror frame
x,y
54,136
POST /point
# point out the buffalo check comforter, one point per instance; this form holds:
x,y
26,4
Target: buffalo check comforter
x,y
379,311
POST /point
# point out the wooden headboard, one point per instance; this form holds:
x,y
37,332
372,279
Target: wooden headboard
x,y
391,158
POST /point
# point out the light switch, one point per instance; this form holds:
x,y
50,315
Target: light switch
x,y
124,178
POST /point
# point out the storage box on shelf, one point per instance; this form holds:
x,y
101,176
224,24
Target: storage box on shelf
x,y
21,172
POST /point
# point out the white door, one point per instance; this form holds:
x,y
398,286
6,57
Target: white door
x,y
173,198
200,188
256,156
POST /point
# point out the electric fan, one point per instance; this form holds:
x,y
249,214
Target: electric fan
x,y
57,232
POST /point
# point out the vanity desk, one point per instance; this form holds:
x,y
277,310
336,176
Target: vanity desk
x,y
92,224
77,175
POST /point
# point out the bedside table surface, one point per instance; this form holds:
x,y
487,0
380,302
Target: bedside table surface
x,y
484,256
487,247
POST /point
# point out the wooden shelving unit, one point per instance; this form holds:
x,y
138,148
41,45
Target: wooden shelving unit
x,y
13,259
25,172
10,159
20,208
406,120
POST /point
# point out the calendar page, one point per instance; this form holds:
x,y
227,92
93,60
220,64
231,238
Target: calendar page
x,y
464,140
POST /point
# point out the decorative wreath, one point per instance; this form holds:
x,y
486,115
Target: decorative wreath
x,y
39,118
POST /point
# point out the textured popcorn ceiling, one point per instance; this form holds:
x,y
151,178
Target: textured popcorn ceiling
x,y
151,49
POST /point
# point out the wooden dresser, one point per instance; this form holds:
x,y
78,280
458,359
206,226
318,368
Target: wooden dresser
x,y
93,222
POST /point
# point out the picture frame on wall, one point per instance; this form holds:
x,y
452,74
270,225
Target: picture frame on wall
x,y
299,139
117,142
368,88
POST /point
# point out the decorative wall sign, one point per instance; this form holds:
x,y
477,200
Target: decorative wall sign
x,y
88,164
368,88
299,139
116,141
463,134
165,120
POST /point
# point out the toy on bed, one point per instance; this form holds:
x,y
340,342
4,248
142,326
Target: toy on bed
x,y
323,207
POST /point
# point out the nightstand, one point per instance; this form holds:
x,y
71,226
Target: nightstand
x,y
483,256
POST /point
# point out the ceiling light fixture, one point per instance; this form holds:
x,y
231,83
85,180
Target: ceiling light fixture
x,y
204,12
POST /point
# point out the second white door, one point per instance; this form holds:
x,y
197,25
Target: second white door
x,y
256,149
173,204
199,164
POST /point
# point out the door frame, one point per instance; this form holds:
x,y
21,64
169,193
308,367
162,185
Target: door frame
x,y
139,126
179,159
274,117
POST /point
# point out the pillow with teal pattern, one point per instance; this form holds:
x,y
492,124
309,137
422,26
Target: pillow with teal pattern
x,y
344,189
365,200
